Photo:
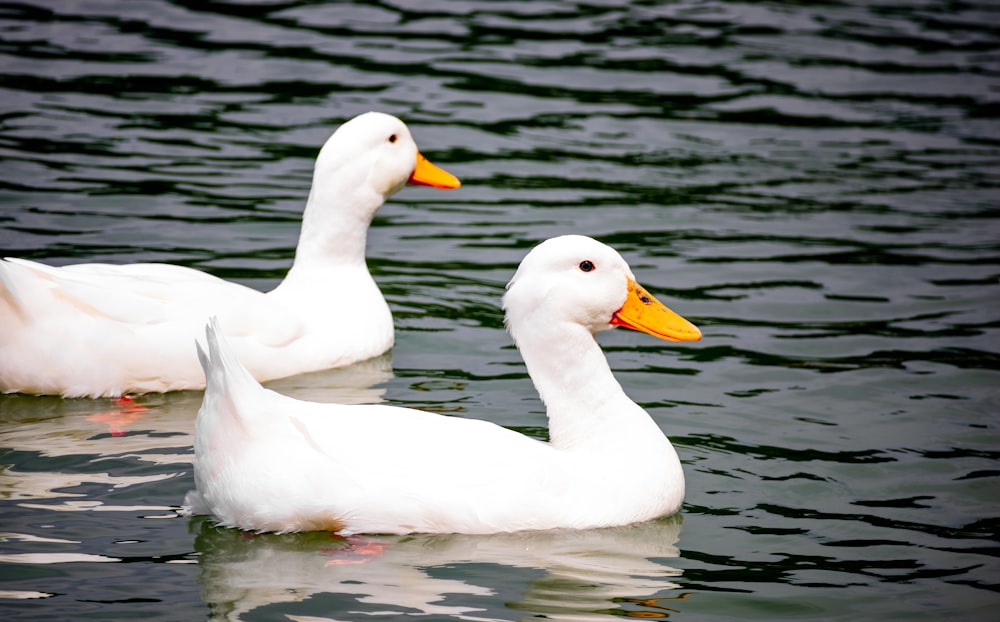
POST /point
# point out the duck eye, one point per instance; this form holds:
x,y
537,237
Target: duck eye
x,y
392,138
586,265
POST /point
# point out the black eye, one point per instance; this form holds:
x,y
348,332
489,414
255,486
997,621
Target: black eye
x,y
586,265
392,138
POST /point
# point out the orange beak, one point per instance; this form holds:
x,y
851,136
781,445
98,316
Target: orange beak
x,y
644,313
428,174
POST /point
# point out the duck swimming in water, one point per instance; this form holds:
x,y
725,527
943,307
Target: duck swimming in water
x,y
107,330
267,462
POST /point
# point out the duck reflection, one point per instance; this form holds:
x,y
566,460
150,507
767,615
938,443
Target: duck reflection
x,y
357,384
559,575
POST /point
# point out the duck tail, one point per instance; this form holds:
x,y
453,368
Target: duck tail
x,y
227,381
222,368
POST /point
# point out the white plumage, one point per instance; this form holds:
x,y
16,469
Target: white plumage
x,y
267,462
106,330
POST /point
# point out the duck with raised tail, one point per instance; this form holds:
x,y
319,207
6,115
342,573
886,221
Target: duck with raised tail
x,y
267,462
107,330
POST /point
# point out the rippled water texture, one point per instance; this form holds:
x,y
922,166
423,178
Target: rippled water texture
x,y
814,184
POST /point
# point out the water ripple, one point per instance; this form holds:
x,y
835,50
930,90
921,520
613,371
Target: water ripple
x,y
813,185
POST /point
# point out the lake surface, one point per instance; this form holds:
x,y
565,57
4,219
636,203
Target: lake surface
x,y
814,185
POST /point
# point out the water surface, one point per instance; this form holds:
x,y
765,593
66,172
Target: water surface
x,y
813,185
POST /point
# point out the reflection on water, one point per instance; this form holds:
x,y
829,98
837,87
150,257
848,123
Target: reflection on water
x,y
561,575
361,383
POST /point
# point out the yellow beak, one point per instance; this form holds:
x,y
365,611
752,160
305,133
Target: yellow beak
x,y
644,313
428,174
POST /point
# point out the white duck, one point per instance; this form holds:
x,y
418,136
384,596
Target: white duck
x,y
106,330
267,462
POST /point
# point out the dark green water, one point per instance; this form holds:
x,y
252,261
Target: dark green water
x,y
815,185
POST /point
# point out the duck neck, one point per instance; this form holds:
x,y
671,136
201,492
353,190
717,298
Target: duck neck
x,y
335,226
584,402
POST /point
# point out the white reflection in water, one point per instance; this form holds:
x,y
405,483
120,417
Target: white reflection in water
x,y
53,558
565,575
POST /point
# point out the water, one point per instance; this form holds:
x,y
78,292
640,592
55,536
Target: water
x,y
813,185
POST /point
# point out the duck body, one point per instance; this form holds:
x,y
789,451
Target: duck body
x,y
106,330
267,462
